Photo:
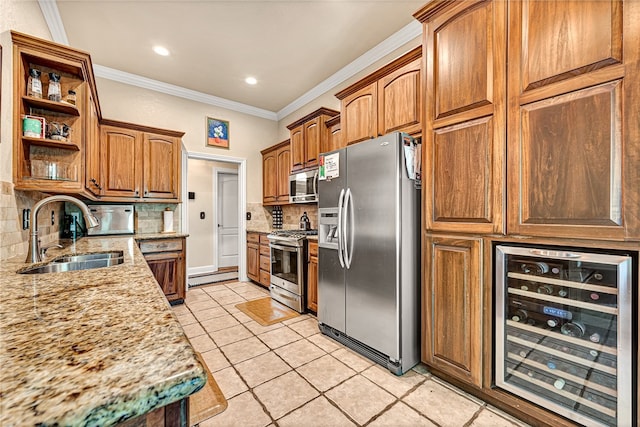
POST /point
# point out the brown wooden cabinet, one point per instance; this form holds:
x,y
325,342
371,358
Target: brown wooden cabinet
x,y
253,256
308,135
276,166
335,140
312,276
265,261
167,260
464,141
92,148
139,162
574,133
388,100
50,159
258,258
452,306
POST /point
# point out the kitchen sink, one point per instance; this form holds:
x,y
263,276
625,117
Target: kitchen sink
x,y
77,262
88,257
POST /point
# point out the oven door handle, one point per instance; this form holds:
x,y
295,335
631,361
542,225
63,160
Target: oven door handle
x,y
340,231
284,248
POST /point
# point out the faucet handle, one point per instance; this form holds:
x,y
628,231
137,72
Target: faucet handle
x,y
43,250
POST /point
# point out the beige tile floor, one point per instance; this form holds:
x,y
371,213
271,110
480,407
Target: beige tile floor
x,y
289,374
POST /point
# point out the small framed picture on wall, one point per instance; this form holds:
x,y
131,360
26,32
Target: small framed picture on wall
x,y
217,133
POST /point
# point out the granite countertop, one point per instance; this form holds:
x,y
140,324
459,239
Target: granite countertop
x,y
91,347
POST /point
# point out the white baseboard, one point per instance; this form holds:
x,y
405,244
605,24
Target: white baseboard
x,y
194,271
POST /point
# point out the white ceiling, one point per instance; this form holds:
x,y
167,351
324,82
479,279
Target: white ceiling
x,y
297,49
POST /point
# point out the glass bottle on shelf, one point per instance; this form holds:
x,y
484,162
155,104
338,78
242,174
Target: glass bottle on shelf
x,y
34,84
54,92
71,97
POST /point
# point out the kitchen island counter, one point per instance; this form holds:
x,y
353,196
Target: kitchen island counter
x,y
90,347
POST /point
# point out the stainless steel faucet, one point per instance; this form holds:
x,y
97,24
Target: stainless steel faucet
x,y
34,254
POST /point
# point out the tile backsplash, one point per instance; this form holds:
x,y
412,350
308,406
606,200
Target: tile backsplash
x,y
14,240
261,219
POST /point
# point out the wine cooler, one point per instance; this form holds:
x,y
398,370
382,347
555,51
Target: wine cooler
x,y
564,332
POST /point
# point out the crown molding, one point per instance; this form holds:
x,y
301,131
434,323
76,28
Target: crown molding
x,y
393,42
404,35
52,17
169,89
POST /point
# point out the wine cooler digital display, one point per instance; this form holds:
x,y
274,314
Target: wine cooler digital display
x,y
564,332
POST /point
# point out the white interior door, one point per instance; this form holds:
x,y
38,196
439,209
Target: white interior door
x,y
227,215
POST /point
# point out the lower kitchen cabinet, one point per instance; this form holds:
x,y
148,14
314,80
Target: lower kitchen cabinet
x,y
452,306
258,258
312,277
253,256
265,261
167,261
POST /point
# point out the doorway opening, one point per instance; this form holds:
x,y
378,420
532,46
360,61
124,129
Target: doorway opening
x,y
214,189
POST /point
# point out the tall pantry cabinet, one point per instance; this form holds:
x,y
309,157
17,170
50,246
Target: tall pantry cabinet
x,y
531,133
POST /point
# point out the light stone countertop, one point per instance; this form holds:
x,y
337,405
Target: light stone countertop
x,y
91,347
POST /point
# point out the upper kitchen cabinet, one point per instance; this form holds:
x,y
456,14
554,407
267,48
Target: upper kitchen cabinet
x,y
276,165
52,86
464,126
574,133
335,140
308,135
139,162
388,100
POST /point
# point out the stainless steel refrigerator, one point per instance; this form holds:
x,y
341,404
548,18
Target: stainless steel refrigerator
x,y
369,251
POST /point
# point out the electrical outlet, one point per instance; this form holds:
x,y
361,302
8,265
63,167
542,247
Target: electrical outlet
x,y
248,216
26,214
53,217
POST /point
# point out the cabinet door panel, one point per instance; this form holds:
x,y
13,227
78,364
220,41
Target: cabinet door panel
x,y
297,148
359,115
453,304
165,268
312,138
253,262
463,166
269,177
283,160
161,162
570,175
563,39
312,285
399,100
463,62
119,155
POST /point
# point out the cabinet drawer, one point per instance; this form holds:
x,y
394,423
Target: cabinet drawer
x,y
164,245
265,278
253,237
265,250
264,240
265,263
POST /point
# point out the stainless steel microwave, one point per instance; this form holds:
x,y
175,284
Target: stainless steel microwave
x,y
303,187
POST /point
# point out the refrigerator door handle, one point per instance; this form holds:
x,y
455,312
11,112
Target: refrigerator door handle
x,y
348,249
340,230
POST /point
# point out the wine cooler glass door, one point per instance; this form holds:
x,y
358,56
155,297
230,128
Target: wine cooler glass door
x,y
564,332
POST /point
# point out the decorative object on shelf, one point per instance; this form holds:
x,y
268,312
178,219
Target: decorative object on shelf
x,y
58,131
71,97
34,85
33,126
217,133
54,93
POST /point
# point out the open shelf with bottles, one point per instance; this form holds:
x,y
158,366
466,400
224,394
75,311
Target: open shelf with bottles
x,y
564,331
50,115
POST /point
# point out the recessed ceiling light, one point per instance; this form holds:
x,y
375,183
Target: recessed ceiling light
x,y
251,80
163,51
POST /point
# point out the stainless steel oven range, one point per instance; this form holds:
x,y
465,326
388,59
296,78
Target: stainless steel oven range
x,y
288,267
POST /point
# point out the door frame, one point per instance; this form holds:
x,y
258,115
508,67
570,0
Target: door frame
x,y
242,202
217,171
